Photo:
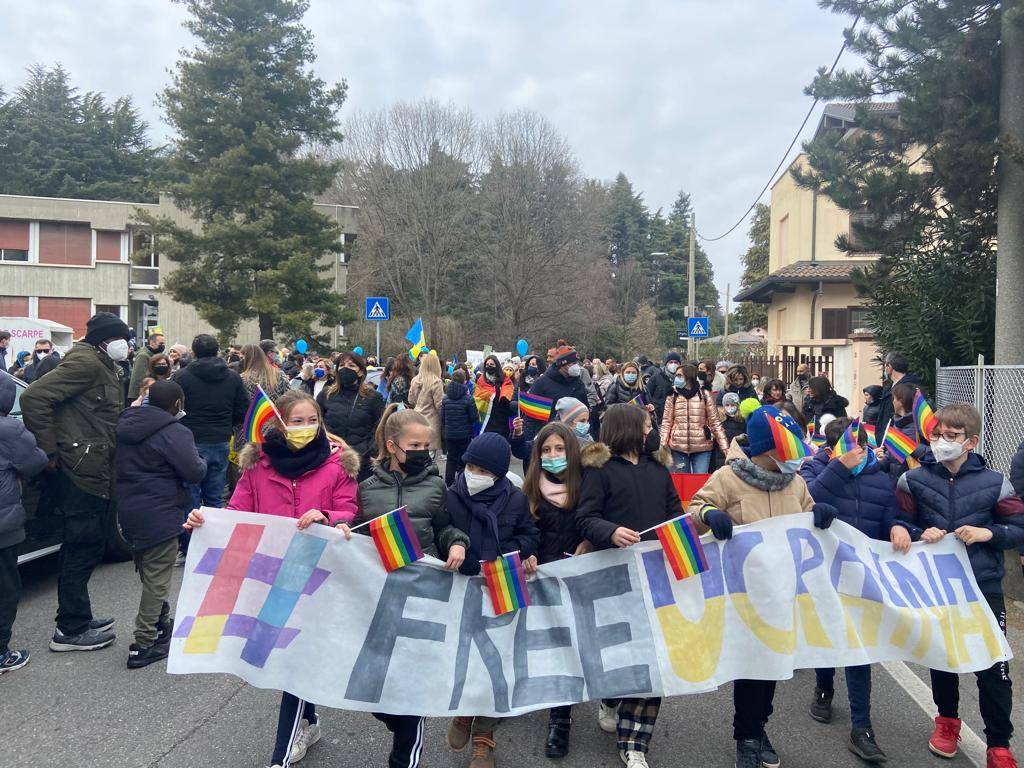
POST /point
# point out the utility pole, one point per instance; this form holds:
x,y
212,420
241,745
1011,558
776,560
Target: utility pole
x,y
1009,334
691,279
725,336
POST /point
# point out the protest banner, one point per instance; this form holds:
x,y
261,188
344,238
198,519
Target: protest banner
x,y
313,614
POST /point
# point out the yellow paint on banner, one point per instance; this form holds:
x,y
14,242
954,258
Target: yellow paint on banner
x,y
205,635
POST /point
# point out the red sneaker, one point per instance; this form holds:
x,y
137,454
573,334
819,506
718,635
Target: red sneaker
x,y
945,736
1000,757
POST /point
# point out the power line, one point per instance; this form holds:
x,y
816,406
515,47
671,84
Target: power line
x,y
785,154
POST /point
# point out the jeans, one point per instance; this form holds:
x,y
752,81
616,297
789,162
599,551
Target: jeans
x,y
210,490
10,593
155,566
858,688
691,463
82,550
289,720
752,706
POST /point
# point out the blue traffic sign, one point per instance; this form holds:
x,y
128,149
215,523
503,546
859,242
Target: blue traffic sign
x,y
697,327
378,308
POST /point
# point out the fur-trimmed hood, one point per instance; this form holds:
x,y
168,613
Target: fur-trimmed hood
x,y
596,455
347,457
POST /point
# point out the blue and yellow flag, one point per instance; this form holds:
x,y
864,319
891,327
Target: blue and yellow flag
x,y
416,338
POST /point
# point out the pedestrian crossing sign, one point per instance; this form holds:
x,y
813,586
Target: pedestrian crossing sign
x,y
697,327
378,308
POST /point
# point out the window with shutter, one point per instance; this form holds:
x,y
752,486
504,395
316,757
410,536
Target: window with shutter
x,y
13,240
835,323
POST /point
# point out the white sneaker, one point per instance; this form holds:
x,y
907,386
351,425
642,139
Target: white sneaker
x,y
307,736
633,759
608,718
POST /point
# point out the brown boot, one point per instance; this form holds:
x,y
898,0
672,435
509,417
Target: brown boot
x,y
483,750
458,733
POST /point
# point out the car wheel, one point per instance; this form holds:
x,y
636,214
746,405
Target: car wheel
x,y
118,550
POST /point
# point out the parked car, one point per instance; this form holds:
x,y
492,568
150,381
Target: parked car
x,y
43,524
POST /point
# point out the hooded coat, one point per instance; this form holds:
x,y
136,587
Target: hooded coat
x,y
156,459
215,399
19,455
497,519
458,413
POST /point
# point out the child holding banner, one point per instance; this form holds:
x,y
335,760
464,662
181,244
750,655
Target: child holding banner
x,y
759,481
953,492
864,496
627,488
495,514
552,487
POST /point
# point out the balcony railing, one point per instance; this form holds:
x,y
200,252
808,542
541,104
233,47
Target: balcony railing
x,y
145,275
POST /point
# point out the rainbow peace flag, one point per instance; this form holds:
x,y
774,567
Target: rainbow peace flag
x,y
924,417
261,411
682,547
535,406
848,441
818,441
898,444
395,539
506,582
811,426
638,400
788,445
869,430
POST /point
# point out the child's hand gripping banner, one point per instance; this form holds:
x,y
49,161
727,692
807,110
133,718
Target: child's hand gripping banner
x,y
313,614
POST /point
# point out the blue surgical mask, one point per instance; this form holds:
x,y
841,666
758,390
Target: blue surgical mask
x,y
679,382
630,378
582,427
555,466
790,467
863,463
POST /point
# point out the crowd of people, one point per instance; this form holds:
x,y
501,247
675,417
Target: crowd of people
x,y
161,435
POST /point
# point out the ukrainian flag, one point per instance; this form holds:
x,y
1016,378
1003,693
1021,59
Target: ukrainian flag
x,y
416,338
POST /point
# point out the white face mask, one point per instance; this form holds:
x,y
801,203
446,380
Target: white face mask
x,y
946,450
476,483
117,350
731,410
574,370
671,367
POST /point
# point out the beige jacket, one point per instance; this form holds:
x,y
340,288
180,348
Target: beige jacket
x,y
730,490
428,402
690,424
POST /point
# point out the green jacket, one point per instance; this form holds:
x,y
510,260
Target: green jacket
x,y
72,411
140,370
423,496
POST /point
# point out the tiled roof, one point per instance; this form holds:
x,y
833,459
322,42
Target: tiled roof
x,y
800,272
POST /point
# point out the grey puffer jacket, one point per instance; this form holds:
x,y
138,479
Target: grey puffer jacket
x,y
19,455
422,495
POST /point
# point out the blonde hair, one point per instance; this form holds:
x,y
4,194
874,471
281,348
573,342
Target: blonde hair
x,y
392,424
430,369
287,402
257,368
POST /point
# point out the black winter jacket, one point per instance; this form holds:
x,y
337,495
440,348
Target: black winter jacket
x,y
1017,470
744,392
458,413
616,493
558,531
930,497
156,459
498,521
834,404
885,410
353,416
659,387
554,386
19,455
215,399
867,501
733,426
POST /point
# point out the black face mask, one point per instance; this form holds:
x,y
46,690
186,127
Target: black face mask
x,y
348,378
415,461
652,442
532,370
157,350
234,358
163,370
491,373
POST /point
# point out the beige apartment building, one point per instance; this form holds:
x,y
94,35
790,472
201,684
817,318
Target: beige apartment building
x,y
813,309
64,260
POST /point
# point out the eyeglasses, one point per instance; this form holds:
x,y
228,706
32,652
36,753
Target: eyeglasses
x,y
953,437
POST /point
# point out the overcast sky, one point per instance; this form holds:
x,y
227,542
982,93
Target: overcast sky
x,y
701,95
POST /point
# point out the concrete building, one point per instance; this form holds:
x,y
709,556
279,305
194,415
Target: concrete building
x,y
64,260
813,309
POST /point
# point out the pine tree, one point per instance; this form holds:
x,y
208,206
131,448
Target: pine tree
x,y
247,111
755,269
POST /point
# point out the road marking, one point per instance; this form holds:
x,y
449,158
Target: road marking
x,y
972,746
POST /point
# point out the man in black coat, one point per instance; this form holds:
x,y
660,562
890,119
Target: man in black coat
x,y
561,379
217,403
659,385
895,370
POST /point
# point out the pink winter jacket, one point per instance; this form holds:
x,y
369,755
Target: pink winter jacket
x,y
331,487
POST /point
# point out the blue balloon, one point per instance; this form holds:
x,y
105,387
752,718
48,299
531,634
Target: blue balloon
x,y
358,351
522,347
301,346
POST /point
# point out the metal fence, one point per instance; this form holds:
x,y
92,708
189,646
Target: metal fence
x,y
995,390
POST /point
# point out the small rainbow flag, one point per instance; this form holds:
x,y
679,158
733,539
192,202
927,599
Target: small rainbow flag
x,y
924,417
395,539
869,430
788,445
848,441
810,428
638,400
261,411
683,550
535,406
898,444
818,441
506,581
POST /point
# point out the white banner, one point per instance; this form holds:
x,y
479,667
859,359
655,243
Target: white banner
x,y
313,614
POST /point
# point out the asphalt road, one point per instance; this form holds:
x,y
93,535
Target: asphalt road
x,y
89,711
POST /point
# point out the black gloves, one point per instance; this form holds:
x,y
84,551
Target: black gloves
x,y
824,514
719,522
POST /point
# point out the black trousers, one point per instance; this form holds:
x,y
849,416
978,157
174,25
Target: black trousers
x,y
289,718
407,742
82,550
995,691
454,463
10,594
752,703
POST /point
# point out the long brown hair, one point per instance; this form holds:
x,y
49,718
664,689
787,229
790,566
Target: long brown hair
x,y
257,368
622,429
392,423
572,477
365,389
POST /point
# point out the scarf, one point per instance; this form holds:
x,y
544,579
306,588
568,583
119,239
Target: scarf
x,y
484,395
293,464
554,493
762,479
484,509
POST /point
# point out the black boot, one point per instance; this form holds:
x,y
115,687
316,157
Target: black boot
x,y
143,655
558,740
748,753
862,744
821,707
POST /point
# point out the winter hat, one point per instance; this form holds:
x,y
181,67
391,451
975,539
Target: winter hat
x,y
569,409
732,398
759,429
566,356
103,326
490,451
673,357
824,421
874,390
748,406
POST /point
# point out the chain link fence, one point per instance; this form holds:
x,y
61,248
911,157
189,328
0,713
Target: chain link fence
x,y
996,391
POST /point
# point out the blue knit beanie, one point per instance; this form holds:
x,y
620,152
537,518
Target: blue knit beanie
x,y
489,451
759,431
